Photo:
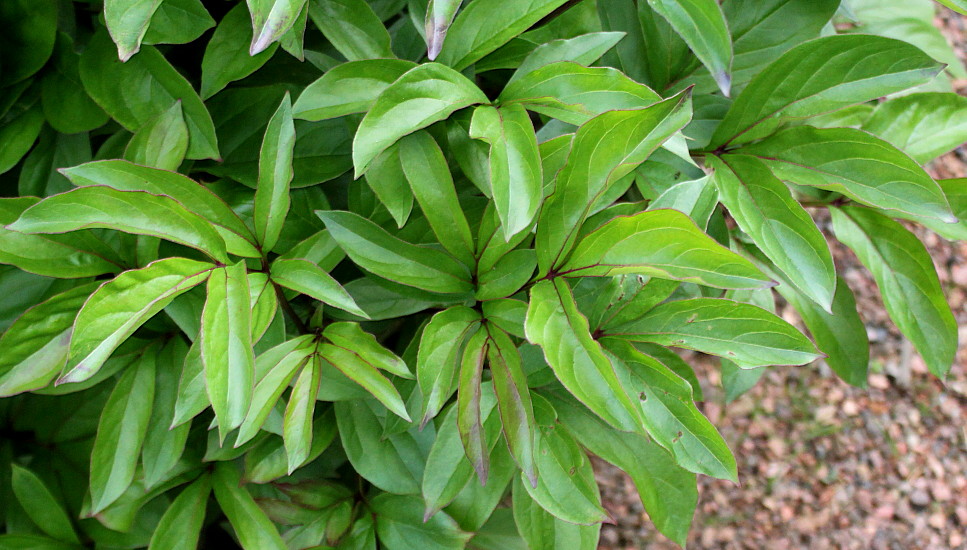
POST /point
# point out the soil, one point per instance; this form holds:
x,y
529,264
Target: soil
x,y
823,464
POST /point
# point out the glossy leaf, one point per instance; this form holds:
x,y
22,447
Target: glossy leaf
x,y
352,337
860,166
554,323
252,527
226,56
41,505
485,25
308,278
348,88
162,142
181,524
121,431
178,22
128,211
439,16
377,251
364,373
116,309
765,210
924,125
703,27
591,169
429,177
270,20
664,244
387,179
574,93
164,445
820,76
439,356
513,400
583,50
226,346
274,369
542,531
109,82
746,334
275,175
469,397
423,95
907,281
127,22
297,428
352,27
516,180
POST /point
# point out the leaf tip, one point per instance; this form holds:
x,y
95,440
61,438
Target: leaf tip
x,y
724,81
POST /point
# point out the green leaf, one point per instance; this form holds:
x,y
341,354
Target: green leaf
x,y
348,88
352,27
275,174
664,244
485,25
907,279
192,396
274,369
226,56
32,29
17,136
109,82
123,304
310,279
924,125
959,6
377,251
513,400
856,164
134,212
695,198
630,137
554,323
66,105
746,334
360,370
670,415
270,20
423,95
387,179
393,463
164,445
255,531
765,209
702,26
41,505
542,531
667,491
297,427
127,22
820,76
574,93
181,524
583,50
511,272
178,22
516,180
439,16
736,380
469,409
439,356
36,344
401,526
124,176
353,338
121,431
162,142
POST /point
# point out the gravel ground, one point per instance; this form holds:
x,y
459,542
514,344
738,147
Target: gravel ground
x,y
822,464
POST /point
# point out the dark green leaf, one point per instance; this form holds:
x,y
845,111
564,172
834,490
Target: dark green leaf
x,y
164,445
41,505
178,22
180,526
252,527
32,30
161,142
469,410
352,27
703,27
67,106
400,525
226,56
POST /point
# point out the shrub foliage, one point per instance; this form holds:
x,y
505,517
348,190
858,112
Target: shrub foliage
x,y
356,274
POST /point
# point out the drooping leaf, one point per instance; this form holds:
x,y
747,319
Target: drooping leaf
x,y
485,25
423,95
907,281
226,346
297,427
554,323
439,16
469,399
664,244
134,212
121,431
116,309
377,251
740,332
703,27
516,179
109,82
856,164
630,137
127,22
348,88
513,400
820,76
765,210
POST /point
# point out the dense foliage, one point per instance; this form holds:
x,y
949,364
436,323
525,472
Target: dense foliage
x,y
356,274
